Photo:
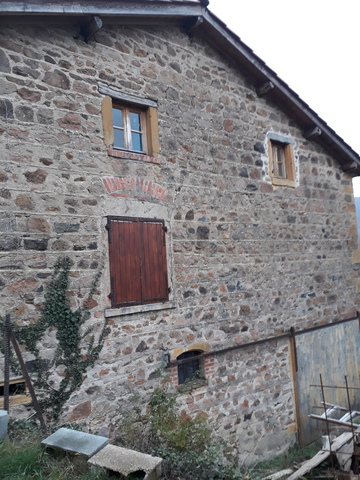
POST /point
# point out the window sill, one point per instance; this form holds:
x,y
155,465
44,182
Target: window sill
x,y
283,182
117,312
199,386
142,157
16,400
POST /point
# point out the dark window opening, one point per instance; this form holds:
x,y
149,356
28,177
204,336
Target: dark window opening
x,y
191,369
15,388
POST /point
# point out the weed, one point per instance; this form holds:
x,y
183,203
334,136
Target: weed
x,y
188,450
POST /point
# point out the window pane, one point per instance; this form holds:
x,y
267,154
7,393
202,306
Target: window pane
x,y
136,139
281,162
135,121
118,138
117,117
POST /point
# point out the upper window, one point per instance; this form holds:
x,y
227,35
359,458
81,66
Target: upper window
x,y
138,266
129,129
130,124
282,165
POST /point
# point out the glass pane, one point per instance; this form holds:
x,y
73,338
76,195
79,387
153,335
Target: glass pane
x,y
136,139
118,138
281,172
281,163
117,117
135,121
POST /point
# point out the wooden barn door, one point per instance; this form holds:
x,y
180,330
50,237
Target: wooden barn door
x,y
332,352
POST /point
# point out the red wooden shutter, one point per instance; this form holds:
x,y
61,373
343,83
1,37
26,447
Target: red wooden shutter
x,y
138,267
124,248
153,263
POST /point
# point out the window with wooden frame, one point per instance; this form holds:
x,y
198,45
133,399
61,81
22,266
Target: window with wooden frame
x,y
138,266
129,126
130,123
282,164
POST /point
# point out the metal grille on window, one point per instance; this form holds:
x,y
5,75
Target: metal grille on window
x,y
191,368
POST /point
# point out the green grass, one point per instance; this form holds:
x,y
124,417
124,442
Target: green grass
x,y
22,457
294,456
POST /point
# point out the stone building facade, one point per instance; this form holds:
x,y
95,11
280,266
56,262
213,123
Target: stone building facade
x,y
247,255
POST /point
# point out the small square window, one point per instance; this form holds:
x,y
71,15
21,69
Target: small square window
x,y
130,127
282,165
191,368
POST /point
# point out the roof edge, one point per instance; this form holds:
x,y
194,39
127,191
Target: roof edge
x,y
213,30
280,90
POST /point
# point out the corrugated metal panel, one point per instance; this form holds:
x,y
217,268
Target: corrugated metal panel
x,y
332,352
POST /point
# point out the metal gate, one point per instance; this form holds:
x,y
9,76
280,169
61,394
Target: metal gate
x,y
333,352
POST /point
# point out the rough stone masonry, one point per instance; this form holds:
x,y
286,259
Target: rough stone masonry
x,y
246,260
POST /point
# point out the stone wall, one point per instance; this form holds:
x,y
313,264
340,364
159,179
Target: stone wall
x,y
246,260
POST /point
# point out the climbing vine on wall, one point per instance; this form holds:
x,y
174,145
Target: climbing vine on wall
x,y
73,353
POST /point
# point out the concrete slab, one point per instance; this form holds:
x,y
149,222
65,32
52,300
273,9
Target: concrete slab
x,y
124,461
4,420
75,442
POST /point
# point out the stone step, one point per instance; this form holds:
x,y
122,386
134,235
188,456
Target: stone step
x,y
4,420
75,442
125,462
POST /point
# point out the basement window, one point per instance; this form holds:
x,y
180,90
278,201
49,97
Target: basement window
x,y
18,392
191,369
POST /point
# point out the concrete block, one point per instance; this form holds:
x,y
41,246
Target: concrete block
x,y
4,420
123,461
75,442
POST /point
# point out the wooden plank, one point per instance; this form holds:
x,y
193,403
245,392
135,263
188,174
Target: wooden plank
x,y
334,421
153,131
321,456
106,112
16,400
310,464
27,380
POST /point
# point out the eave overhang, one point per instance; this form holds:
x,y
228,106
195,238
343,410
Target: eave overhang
x,y
197,20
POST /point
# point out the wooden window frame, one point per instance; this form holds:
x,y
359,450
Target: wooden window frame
x,y
286,151
149,124
138,261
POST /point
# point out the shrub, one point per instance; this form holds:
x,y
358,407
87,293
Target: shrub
x,y
188,450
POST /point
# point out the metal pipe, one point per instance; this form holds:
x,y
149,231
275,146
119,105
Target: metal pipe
x,y
261,341
7,363
327,427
